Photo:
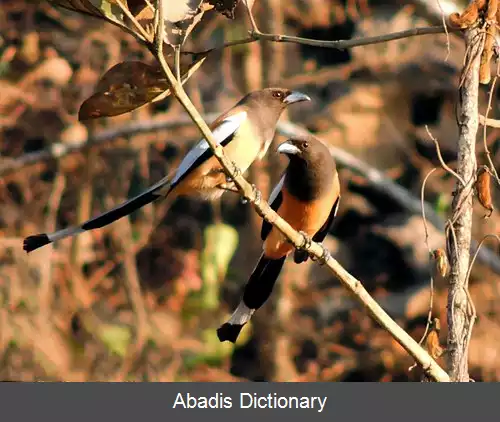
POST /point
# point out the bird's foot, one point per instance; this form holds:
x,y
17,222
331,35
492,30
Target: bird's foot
x,y
325,255
236,170
306,242
255,197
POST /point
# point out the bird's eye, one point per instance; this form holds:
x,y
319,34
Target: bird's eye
x,y
306,144
277,94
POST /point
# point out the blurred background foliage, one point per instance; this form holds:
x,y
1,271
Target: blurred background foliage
x,y
140,300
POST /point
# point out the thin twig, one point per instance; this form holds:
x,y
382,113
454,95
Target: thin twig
x,y
492,168
440,157
129,15
426,230
247,40
486,121
337,44
344,44
424,221
255,29
495,236
446,31
177,62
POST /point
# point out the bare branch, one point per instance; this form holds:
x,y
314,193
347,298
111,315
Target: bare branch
x,y
459,318
344,44
485,127
337,44
486,121
424,221
441,160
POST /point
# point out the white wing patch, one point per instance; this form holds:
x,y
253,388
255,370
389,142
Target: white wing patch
x,y
276,190
227,127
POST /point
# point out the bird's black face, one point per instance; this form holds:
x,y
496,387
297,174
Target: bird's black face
x,y
307,149
299,147
311,168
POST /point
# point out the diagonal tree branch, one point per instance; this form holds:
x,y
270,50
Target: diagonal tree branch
x,y
249,192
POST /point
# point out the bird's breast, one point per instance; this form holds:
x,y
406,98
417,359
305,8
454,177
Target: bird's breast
x,y
307,217
245,147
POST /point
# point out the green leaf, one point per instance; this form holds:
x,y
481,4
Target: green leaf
x,y
221,241
116,338
110,11
442,205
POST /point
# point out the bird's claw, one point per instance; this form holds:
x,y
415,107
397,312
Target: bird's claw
x,y
306,242
236,170
256,194
325,256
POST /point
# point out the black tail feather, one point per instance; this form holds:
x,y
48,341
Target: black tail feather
x,y
229,332
36,241
262,281
258,289
121,211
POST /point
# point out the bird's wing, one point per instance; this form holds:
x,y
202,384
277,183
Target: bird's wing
x,y
275,200
301,255
323,231
201,151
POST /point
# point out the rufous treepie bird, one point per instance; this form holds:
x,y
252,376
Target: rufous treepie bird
x,y
307,197
245,131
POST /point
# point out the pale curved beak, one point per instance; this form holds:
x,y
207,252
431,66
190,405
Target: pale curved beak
x,y
288,148
296,97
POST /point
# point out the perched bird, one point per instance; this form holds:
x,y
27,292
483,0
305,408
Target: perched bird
x,y
307,197
245,131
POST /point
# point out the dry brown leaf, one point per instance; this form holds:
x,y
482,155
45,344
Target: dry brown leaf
x,y
432,340
440,263
483,187
469,16
487,54
127,86
104,9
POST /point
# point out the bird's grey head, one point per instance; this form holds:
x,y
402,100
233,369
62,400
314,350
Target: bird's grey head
x,y
274,98
266,105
